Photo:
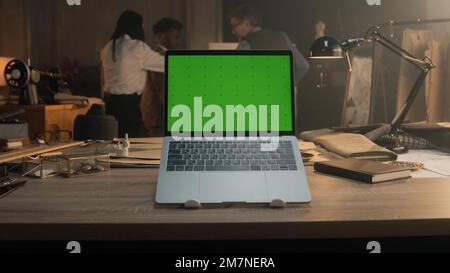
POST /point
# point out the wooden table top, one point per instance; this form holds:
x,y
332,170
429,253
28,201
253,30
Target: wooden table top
x,y
121,206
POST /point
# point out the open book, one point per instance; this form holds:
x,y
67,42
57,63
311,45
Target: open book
x,y
349,145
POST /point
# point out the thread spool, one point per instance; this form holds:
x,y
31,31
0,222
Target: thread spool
x,y
123,147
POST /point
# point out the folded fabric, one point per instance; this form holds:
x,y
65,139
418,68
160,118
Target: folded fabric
x,y
66,97
63,98
349,145
76,102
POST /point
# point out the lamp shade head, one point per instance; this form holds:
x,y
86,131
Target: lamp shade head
x,y
326,48
3,62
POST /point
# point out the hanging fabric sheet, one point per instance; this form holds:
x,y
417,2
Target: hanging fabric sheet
x,y
435,84
415,42
357,104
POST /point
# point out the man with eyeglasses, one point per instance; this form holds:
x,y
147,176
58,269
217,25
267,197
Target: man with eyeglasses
x,y
246,24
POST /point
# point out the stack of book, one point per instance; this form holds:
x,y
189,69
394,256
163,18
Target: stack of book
x,y
4,100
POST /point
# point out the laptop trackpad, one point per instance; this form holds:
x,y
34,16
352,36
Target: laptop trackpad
x,y
233,187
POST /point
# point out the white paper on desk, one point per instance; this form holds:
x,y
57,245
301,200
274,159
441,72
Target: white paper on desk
x,y
426,174
434,161
306,146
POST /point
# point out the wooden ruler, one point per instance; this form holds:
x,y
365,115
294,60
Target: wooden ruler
x,y
35,149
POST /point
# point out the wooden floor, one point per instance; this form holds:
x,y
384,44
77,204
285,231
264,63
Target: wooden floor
x,y
121,206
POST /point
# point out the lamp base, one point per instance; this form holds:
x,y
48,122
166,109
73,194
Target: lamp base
x,y
402,142
398,149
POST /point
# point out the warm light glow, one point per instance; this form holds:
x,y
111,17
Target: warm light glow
x,y
3,62
327,57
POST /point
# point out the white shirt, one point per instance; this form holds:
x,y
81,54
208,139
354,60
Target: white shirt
x,y
128,74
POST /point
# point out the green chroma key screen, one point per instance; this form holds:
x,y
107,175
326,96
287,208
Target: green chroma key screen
x,y
231,80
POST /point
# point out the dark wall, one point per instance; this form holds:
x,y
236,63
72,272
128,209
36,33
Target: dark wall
x,y
345,18
52,33
322,107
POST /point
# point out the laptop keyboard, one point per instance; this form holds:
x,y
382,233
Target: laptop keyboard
x,y
200,156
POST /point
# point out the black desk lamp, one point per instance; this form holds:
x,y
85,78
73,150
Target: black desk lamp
x,y
330,48
327,48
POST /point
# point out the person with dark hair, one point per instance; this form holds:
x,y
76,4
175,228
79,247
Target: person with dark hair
x,y
125,60
168,34
246,25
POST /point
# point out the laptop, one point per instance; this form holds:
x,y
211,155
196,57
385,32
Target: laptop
x,y
229,130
